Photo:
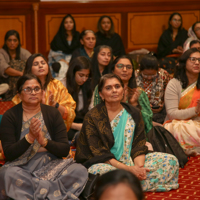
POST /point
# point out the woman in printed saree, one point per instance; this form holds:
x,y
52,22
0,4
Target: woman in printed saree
x,y
55,93
122,66
113,137
182,102
13,58
34,140
153,80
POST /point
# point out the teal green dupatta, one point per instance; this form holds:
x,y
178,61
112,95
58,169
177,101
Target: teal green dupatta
x,y
143,100
118,134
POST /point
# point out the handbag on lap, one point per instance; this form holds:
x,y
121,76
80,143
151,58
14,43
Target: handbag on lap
x,y
163,141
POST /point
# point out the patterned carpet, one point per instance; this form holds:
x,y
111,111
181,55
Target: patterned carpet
x,y
189,184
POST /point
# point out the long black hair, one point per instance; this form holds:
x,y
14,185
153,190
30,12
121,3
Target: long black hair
x,y
180,70
132,81
75,65
170,18
29,64
62,26
95,65
5,47
115,177
112,28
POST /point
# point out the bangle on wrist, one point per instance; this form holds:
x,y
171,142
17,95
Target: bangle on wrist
x,y
45,143
118,164
28,140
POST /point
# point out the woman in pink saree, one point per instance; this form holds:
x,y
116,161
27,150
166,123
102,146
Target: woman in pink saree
x,y
182,100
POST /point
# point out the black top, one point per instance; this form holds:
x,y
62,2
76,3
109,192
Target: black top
x,y
60,43
166,44
115,42
10,131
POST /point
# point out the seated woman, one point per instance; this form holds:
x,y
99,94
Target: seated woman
x,y
101,61
34,140
65,42
193,34
78,83
182,102
171,42
106,36
113,137
118,183
13,58
154,81
55,93
122,66
88,41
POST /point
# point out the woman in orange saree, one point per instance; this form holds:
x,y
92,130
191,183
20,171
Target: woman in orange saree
x,y
182,99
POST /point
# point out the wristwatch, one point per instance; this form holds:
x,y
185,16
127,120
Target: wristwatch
x,y
57,105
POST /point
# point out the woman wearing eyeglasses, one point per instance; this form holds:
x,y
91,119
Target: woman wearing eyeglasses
x,y
182,100
34,140
154,81
55,93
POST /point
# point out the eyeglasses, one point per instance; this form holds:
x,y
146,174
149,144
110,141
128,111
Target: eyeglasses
x,y
121,66
29,90
149,76
193,59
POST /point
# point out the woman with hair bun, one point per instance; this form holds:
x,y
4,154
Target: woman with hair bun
x,y
88,41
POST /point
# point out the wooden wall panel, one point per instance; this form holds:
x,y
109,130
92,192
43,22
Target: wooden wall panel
x,y
145,29
83,21
16,22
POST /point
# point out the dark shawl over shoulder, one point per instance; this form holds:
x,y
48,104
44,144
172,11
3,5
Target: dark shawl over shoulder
x,y
96,137
10,131
60,43
166,44
115,42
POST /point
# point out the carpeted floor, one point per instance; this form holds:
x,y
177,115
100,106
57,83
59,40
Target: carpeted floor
x,y
189,184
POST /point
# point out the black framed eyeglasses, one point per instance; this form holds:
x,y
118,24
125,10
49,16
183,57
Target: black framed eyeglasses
x,y
194,59
121,66
29,90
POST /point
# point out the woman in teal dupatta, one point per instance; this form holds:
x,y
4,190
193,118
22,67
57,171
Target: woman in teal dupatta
x,y
113,137
123,67
34,140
